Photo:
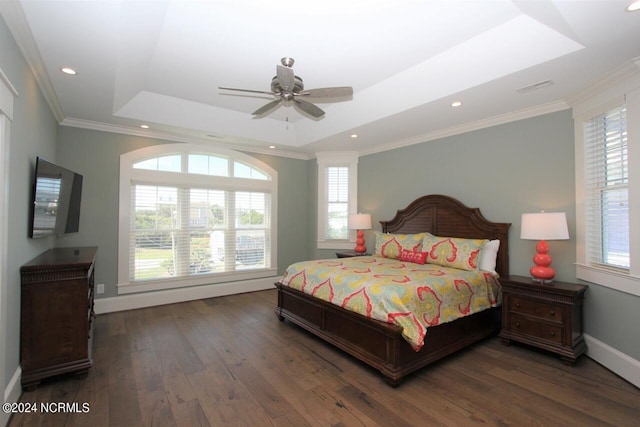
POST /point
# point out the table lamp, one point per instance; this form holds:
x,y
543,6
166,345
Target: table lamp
x,y
543,226
360,222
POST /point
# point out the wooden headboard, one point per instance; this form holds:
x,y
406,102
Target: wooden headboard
x,y
445,216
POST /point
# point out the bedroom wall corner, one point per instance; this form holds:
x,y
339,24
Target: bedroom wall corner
x,y
294,208
33,133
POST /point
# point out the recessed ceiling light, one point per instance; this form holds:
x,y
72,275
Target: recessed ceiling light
x,y
272,147
68,70
354,135
144,126
456,103
634,6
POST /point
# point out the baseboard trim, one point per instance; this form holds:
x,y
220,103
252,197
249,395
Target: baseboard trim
x,y
11,394
614,360
149,299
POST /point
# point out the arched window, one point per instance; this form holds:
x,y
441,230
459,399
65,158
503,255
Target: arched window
x,y
191,215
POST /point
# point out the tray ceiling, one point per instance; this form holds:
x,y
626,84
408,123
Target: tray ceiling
x,y
160,63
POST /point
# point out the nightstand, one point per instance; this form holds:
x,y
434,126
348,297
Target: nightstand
x,y
547,316
348,254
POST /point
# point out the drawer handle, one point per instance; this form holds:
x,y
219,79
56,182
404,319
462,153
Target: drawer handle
x,y
552,333
518,305
517,324
552,312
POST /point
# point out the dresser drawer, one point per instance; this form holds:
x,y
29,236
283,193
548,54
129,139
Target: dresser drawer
x,y
527,326
540,309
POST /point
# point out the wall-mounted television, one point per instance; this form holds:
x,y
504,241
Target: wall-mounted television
x,y
56,199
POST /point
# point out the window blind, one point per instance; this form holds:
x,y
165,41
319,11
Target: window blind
x,y
183,231
606,189
337,202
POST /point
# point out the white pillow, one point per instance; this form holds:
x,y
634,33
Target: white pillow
x,y
488,256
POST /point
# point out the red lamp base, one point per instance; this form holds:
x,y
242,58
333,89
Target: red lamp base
x,y
541,272
360,247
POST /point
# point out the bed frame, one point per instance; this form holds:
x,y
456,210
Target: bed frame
x,y
380,344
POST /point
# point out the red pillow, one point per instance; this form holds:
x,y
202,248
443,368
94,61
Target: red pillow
x,y
413,256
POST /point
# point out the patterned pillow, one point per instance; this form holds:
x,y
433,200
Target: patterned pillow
x,y
413,256
391,245
453,252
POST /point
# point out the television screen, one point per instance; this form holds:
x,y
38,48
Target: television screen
x,y
56,200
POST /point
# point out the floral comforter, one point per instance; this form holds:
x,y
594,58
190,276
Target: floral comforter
x,y
413,296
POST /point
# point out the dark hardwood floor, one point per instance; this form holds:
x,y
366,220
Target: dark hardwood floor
x,y
229,362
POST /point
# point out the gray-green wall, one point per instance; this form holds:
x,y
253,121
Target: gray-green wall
x,y
505,170
33,133
96,155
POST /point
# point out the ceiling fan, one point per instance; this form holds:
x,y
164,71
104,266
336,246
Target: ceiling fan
x,y
286,87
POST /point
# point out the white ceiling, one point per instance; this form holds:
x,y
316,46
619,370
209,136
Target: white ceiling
x,y
160,63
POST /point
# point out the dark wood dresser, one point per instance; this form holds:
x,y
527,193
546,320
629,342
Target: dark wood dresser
x,y
57,314
548,316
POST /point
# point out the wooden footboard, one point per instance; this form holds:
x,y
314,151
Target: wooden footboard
x,y
379,344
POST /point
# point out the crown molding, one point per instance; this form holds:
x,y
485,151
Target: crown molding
x,y
349,156
165,136
4,79
513,116
14,17
618,76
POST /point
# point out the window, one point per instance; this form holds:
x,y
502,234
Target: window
x,y
337,198
337,194
606,189
607,122
190,216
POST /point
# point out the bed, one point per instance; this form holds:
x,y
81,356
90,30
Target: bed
x,y
382,345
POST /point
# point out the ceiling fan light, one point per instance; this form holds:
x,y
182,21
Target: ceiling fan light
x,y
288,89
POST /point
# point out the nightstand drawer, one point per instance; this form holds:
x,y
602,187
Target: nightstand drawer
x,y
526,326
537,309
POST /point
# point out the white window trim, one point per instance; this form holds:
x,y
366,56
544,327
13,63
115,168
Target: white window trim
x,y
336,159
127,174
622,87
8,93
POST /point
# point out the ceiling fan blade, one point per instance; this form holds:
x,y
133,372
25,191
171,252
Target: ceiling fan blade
x,y
247,90
328,92
267,107
286,78
309,108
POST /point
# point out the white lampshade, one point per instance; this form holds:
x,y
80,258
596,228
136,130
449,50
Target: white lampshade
x,y
544,226
360,222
